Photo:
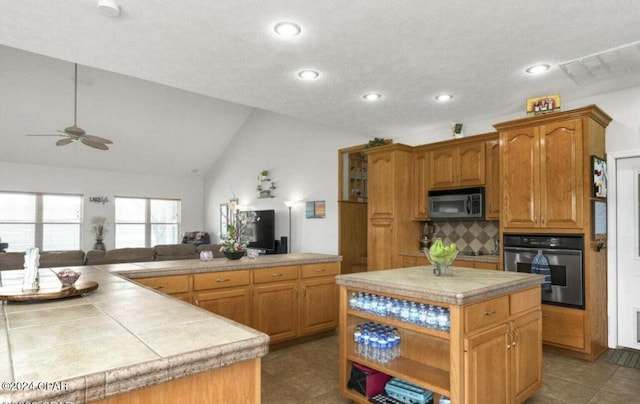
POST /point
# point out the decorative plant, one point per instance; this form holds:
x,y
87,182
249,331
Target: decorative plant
x,y
376,141
264,173
237,237
99,224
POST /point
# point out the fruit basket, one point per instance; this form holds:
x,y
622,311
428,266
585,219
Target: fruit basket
x,y
441,257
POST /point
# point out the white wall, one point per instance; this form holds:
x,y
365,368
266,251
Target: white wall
x,y
302,158
32,178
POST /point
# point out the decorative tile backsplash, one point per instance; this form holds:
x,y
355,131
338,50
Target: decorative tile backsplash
x,y
469,235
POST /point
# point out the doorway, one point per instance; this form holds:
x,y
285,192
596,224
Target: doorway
x,y
624,252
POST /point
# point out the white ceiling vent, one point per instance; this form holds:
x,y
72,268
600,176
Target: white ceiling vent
x,y
612,63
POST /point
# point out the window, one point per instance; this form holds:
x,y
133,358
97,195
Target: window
x,y
144,222
51,222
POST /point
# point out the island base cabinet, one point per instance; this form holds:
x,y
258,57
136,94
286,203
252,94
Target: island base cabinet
x,y
235,383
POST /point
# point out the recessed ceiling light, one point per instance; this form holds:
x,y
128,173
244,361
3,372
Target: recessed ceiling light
x,y
287,29
443,97
537,69
372,96
308,74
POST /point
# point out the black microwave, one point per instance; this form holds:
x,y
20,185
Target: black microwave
x,y
460,203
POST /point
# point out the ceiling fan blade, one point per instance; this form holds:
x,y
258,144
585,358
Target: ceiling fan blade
x,y
95,145
63,142
98,139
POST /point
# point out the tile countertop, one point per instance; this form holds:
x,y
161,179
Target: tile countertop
x,y
118,338
476,258
465,285
159,268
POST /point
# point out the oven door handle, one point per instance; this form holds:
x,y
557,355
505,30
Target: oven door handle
x,y
544,250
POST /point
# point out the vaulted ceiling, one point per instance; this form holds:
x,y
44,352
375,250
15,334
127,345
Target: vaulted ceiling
x,y
165,76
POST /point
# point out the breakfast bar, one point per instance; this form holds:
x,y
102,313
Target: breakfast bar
x,y
488,350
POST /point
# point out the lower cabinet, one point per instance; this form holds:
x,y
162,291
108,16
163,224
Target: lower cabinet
x,y
284,302
503,363
563,326
412,261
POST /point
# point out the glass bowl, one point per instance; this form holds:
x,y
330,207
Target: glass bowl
x,y
67,277
440,266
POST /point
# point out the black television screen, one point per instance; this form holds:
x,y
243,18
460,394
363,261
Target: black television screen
x,y
261,230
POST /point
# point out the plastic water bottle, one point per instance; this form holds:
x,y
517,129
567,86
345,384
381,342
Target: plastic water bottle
x,y
360,301
404,311
367,302
373,346
432,320
422,314
383,347
357,336
396,342
443,319
444,400
353,300
413,313
396,309
373,306
382,307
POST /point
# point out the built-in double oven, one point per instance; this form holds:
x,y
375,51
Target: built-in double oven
x,y
564,252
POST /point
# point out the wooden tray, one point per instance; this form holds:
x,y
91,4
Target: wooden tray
x,y
46,292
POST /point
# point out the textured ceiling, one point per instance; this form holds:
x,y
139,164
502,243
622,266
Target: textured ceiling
x,y
407,50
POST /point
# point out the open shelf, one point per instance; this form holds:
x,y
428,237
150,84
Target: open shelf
x,y
399,324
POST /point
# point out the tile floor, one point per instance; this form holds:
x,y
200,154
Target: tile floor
x,y
308,374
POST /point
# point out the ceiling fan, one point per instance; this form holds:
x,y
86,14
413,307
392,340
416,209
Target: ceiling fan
x,y
74,133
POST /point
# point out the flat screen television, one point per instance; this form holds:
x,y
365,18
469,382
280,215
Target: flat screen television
x,y
261,230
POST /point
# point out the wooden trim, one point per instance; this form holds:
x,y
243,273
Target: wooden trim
x,y
592,111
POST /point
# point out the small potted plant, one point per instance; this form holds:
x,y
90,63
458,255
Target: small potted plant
x,y
234,243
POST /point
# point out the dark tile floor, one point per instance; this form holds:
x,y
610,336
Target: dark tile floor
x,y
308,374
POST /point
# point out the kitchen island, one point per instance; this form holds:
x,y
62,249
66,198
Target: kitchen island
x,y
123,343
490,350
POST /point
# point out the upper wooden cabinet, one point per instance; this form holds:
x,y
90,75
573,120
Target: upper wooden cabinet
x,y
420,183
544,168
492,200
457,165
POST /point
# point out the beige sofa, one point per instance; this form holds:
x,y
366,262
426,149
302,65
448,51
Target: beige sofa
x,y
161,252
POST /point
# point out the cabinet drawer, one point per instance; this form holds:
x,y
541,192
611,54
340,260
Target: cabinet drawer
x,y
167,284
487,312
275,274
563,326
409,261
219,280
323,269
525,300
486,265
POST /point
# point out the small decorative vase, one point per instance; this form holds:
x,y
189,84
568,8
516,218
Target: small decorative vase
x,y
234,255
99,245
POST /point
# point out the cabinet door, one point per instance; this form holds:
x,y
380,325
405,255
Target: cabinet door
x,y
275,309
486,366
420,186
319,305
379,246
471,164
492,189
234,304
381,185
526,355
561,175
442,167
520,174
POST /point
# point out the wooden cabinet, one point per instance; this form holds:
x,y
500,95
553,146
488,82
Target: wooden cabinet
x,y
420,183
177,286
391,228
457,166
492,201
412,261
287,305
492,352
225,293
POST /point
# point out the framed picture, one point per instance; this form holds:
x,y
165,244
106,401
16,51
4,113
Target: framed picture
x,y
224,213
315,210
599,173
543,105
599,222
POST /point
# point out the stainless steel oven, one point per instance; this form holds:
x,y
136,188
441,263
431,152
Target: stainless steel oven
x,y
565,255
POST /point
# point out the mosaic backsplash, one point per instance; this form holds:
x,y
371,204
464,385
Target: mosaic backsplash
x,y
472,236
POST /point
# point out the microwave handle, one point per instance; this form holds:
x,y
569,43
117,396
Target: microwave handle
x,y
468,204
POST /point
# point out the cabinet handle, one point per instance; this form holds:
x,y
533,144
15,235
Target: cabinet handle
x,y
320,270
515,336
276,275
304,291
197,302
158,287
223,280
509,339
489,313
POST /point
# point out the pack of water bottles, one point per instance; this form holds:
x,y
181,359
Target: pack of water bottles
x,y
376,342
426,315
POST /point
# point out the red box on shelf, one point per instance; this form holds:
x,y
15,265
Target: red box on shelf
x,y
367,381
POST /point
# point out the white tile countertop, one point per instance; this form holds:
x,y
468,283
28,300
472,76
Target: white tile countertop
x,y
118,338
465,285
